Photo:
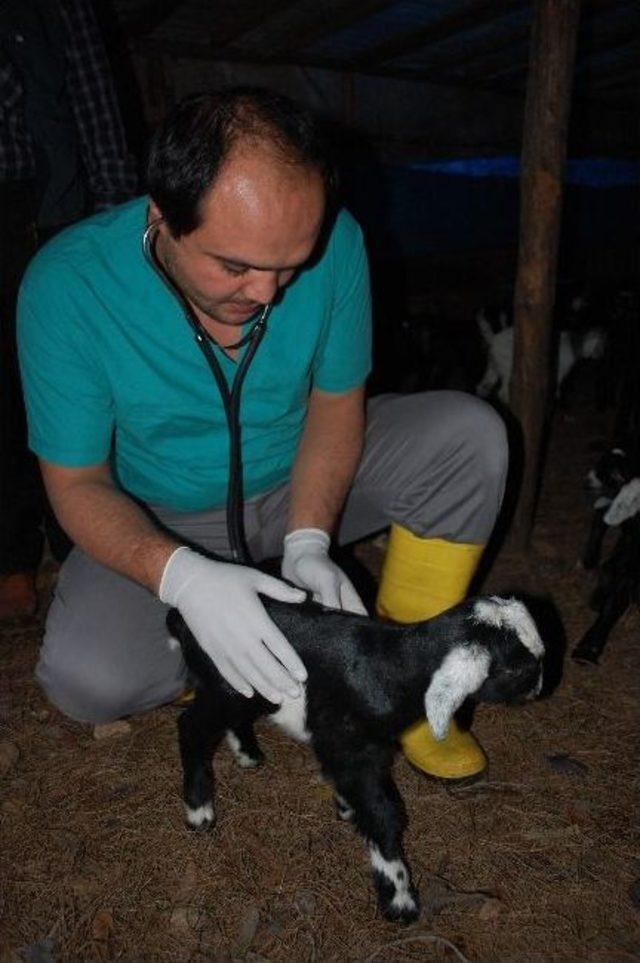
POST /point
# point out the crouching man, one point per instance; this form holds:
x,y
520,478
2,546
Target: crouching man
x,y
131,433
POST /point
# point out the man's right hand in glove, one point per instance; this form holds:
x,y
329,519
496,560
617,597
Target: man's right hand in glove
x,y
219,602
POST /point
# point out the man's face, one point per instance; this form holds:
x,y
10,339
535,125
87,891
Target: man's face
x,y
260,223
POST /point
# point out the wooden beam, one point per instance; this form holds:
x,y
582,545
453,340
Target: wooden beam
x,y
472,15
608,38
624,77
586,67
352,12
623,98
609,63
231,21
598,35
147,18
510,61
173,48
591,7
548,98
287,37
494,50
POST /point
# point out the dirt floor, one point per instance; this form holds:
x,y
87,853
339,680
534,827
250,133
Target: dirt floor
x,y
538,862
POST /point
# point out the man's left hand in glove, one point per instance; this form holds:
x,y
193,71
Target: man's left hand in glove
x,y
306,563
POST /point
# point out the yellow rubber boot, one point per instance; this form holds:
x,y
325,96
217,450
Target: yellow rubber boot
x,y
421,577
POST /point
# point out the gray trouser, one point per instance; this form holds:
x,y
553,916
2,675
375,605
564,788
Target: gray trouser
x,y
434,463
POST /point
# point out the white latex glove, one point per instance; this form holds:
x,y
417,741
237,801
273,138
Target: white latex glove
x,y
306,563
220,604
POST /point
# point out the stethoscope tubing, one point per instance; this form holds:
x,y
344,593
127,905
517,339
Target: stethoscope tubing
x,y
230,396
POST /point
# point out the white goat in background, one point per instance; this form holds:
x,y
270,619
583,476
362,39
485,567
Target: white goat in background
x,y
572,347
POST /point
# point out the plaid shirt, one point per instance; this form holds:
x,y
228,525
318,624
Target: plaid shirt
x,y
109,168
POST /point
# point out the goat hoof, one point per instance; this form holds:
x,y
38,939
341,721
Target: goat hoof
x,y
397,898
403,908
586,651
344,812
245,757
200,817
584,657
250,762
344,815
247,762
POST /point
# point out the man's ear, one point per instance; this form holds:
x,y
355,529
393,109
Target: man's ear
x,y
155,214
461,674
155,218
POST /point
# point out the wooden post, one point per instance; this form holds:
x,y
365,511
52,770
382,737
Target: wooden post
x,y
546,115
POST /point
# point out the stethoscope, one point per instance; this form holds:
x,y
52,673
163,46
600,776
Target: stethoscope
x,y
230,396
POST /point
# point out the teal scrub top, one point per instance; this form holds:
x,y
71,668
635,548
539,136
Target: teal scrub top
x,y
111,369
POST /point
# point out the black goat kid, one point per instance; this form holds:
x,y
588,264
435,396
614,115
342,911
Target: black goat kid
x,y
616,484
367,682
604,481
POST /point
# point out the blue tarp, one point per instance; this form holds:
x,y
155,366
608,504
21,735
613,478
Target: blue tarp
x,y
587,171
472,204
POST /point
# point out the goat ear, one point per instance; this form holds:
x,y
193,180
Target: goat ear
x,y
625,505
462,673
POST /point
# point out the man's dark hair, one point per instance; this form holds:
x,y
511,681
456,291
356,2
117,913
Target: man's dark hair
x,y
189,148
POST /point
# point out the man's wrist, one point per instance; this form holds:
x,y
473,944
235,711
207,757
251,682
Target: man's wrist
x,y
150,557
170,580
307,537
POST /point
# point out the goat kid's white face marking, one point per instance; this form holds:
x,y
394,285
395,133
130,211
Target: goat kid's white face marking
x,y
462,672
398,875
202,816
510,614
625,505
291,717
173,643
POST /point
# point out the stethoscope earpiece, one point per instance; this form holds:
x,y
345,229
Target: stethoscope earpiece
x,y
149,237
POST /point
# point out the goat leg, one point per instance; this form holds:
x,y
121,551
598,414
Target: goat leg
x,y
200,729
613,607
593,547
242,741
367,795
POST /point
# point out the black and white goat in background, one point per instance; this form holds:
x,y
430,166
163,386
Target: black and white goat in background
x,y
573,344
367,682
615,484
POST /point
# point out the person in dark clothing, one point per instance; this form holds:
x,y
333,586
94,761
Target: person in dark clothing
x,y
63,154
